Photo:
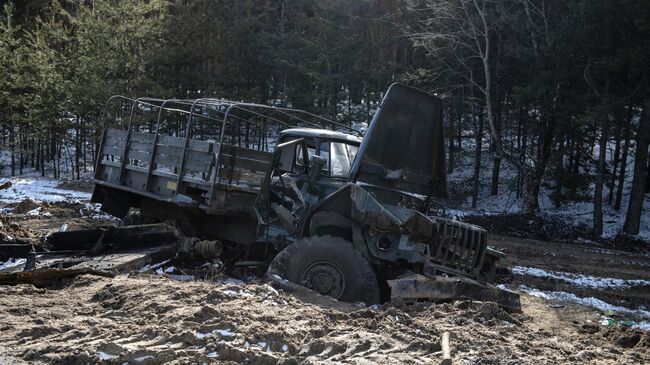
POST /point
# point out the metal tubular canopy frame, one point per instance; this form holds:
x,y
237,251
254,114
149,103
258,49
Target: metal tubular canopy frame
x,y
285,117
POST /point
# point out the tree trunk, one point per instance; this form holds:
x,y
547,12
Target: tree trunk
x,y
478,130
626,148
635,206
647,179
559,173
598,192
12,143
576,168
496,155
522,154
21,154
618,118
450,163
77,149
496,168
543,156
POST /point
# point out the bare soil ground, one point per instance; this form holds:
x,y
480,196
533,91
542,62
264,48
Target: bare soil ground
x,y
157,320
150,319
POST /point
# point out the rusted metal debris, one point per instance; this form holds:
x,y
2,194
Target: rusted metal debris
x,y
103,251
111,237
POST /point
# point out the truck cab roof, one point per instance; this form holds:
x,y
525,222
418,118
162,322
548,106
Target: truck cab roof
x,y
321,134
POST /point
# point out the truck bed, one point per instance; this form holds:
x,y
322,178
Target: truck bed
x,y
219,179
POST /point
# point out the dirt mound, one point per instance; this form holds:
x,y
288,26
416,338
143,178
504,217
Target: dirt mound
x,y
86,185
154,320
25,206
13,231
548,227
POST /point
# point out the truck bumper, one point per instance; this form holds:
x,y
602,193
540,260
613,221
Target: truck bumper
x,y
439,288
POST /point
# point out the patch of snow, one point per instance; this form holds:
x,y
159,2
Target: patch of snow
x,y
644,325
201,335
170,269
34,212
106,356
580,280
148,267
231,281
40,190
585,302
94,211
11,262
224,333
237,293
143,358
285,347
182,277
213,354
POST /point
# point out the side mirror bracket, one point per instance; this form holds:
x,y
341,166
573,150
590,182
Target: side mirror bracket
x,y
316,164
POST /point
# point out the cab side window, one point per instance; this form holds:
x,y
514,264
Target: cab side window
x,y
339,158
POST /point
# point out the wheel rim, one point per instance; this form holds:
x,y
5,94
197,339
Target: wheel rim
x,y
324,277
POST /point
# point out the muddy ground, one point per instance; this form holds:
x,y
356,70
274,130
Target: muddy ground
x,y
151,319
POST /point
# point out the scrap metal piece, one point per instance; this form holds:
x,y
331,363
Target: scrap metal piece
x,y
439,288
125,237
14,250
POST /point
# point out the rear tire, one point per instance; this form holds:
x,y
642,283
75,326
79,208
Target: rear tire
x,y
330,266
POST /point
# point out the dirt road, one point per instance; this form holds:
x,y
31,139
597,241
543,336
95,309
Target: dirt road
x,y
586,264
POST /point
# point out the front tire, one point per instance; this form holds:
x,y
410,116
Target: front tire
x,y
330,266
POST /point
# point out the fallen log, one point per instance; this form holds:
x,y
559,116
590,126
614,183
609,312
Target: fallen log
x,y
5,185
40,277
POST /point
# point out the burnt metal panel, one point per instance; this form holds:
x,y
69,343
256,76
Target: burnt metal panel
x,y
414,287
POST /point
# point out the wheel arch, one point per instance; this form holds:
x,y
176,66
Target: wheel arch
x,y
332,216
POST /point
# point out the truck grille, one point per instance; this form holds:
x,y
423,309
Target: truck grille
x,y
459,246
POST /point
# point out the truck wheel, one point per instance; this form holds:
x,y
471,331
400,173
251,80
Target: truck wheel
x,y
330,266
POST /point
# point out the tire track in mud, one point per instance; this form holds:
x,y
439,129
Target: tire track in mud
x,y
618,278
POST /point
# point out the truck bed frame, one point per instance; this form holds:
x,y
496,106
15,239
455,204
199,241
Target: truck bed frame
x,y
210,154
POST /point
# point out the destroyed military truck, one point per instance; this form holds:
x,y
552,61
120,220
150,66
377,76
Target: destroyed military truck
x,y
328,209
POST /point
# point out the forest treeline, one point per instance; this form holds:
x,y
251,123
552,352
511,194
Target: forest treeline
x,y
559,90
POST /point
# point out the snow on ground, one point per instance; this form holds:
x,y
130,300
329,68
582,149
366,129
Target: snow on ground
x,y
40,190
11,262
579,280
